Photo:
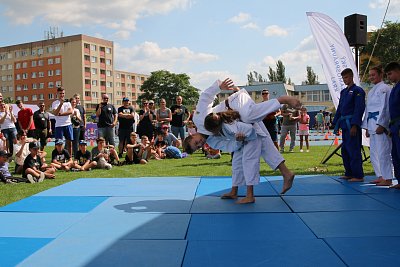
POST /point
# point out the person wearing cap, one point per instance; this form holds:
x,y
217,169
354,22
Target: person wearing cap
x,y
5,175
60,157
107,115
126,119
83,158
169,138
180,116
41,119
25,119
34,169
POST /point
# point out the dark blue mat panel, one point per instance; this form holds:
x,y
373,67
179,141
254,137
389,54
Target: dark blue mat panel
x,y
220,186
353,223
367,188
333,203
142,253
297,177
248,226
15,250
122,225
367,251
392,200
316,185
260,253
174,187
37,225
54,204
146,204
210,204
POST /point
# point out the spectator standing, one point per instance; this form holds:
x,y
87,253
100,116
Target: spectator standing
x,y
289,125
304,123
179,112
62,111
146,117
41,119
76,120
319,118
163,115
7,122
270,120
327,121
25,119
126,119
349,118
82,111
107,115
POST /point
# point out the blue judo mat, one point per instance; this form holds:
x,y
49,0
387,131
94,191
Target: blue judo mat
x,y
181,221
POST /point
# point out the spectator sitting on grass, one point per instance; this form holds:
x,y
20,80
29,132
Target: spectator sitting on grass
x,y
5,175
159,146
211,153
133,149
21,150
60,157
83,158
168,137
33,168
104,154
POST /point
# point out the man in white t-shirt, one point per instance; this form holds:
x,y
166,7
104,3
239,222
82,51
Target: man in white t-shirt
x,y
62,111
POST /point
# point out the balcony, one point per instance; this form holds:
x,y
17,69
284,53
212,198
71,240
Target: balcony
x,y
88,98
102,53
103,88
86,50
87,86
102,76
87,62
103,66
87,74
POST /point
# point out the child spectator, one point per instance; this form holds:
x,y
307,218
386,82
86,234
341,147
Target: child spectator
x,y
304,128
5,175
2,142
60,157
83,158
104,154
133,149
33,168
21,150
159,147
191,128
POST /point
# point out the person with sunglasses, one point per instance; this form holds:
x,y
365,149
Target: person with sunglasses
x,y
107,115
146,117
41,119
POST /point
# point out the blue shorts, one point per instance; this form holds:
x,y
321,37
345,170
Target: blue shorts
x,y
65,131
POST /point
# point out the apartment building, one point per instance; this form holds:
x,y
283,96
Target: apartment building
x,y
81,64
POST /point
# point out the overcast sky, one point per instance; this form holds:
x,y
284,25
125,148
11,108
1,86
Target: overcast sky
x,y
207,39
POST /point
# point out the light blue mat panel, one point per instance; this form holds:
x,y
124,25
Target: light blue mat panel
x,y
391,199
367,251
174,187
297,177
260,253
333,203
15,250
248,226
353,223
220,186
211,204
54,204
318,185
37,225
142,253
146,204
368,188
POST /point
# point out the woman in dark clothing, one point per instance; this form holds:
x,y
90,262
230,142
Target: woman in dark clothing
x,y
146,117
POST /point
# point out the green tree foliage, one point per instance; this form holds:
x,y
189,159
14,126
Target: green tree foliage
x,y
272,75
280,72
312,78
254,76
387,48
164,84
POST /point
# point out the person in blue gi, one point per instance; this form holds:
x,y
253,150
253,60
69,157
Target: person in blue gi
x,y
348,117
392,71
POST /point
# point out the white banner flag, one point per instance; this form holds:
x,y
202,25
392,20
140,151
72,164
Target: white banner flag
x,y
334,51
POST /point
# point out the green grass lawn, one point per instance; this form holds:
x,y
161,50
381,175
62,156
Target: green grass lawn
x,y
194,165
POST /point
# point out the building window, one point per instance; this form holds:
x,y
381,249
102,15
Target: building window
x,y
17,66
94,71
33,52
94,94
118,75
33,75
51,96
128,77
108,73
58,72
128,85
41,85
25,87
118,84
58,83
10,89
94,82
34,97
19,98
49,49
93,59
41,97
108,50
24,76
33,63
50,72
17,77
108,62
41,74
50,61
326,96
109,84
313,96
57,48
4,89
24,65
9,77
10,66
93,47
26,99
4,67
40,62
34,85
18,88
58,60
50,85
40,51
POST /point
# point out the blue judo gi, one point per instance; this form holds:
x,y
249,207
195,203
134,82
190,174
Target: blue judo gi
x,y
350,112
394,126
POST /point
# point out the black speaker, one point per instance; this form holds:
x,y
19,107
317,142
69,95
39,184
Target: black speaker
x,y
355,29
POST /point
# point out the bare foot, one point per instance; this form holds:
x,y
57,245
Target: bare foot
x,y
376,181
354,180
385,183
229,195
287,183
397,186
345,177
246,200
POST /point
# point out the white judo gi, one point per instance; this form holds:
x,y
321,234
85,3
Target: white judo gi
x,y
250,112
377,113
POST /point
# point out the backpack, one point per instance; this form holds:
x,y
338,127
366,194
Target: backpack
x,y
173,152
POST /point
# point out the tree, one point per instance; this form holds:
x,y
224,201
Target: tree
x,y
254,76
312,78
272,75
167,85
387,48
280,72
